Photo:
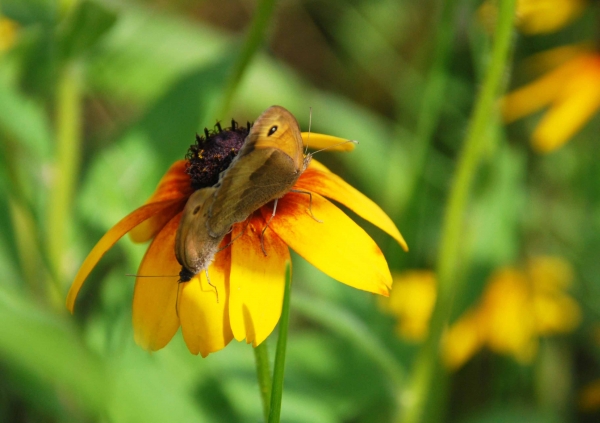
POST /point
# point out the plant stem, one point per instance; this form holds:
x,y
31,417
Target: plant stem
x,y
278,370
261,356
255,37
427,371
68,140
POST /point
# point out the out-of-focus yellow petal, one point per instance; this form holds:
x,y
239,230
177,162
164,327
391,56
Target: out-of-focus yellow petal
x,y
336,245
257,282
318,141
507,316
580,99
412,301
332,186
204,321
174,185
8,33
155,318
543,16
557,313
550,274
111,237
537,94
462,340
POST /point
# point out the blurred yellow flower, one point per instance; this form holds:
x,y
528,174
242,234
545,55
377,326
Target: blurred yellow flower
x,y
572,93
517,307
537,16
8,33
412,301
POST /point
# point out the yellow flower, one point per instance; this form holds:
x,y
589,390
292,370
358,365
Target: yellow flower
x,y
537,16
411,302
572,93
517,307
8,33
250,284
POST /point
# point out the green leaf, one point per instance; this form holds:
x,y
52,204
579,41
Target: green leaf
x,y
82,29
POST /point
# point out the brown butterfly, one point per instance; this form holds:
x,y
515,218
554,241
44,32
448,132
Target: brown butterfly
x,y
194,247
266,168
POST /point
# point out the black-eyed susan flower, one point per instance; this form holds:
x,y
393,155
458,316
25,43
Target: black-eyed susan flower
x,y
571,91
250,284
517,307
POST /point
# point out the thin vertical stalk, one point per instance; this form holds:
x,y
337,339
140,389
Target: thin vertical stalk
x,y
261,357
278,370
255,37
66,167
427,371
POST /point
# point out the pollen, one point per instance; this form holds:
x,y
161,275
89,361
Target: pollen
x,y
213,152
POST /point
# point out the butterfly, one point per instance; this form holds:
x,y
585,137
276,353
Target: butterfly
x,y
267,166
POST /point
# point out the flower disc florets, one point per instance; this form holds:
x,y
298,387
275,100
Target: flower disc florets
x,y
213,153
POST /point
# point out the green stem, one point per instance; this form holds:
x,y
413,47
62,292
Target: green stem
x,y
261,357
278,370
433,100
68,140
255,37
427,371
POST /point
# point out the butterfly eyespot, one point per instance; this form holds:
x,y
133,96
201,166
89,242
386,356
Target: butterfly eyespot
x,y
272,130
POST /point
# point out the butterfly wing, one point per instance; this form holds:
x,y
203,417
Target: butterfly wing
x,y
258,179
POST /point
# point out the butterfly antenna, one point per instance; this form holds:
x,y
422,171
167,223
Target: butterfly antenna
x,y
151,276
215,288
309,125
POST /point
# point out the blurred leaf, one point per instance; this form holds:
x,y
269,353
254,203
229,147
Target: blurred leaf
x,y
31,11
82,29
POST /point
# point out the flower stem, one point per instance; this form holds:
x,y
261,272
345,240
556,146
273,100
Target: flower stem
x,y
261,356
278,370
428,372
68,139
255,37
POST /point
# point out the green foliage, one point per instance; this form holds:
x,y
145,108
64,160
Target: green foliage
x,y
146,76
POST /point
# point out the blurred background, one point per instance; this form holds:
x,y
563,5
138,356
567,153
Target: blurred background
x,y
98,98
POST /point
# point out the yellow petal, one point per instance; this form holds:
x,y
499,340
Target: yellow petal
x,y
204,319
544,16
319,141
257,281
155,318
332,186
537,94
174,185
336,245
462,341
110,238
580,100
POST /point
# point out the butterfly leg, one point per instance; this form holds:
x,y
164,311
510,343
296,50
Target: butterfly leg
x,y
177,299
214,287
309,202
238,236
262,235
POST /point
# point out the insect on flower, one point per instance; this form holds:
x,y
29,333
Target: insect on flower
x,y
242,210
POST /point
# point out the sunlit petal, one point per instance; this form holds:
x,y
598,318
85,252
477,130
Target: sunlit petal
x,y
155,318
110,238
257,281
175,184
332,186
204,317
319,141
336,245
581,99
537,94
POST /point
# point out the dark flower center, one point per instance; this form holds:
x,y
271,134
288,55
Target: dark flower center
x,y
213,153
